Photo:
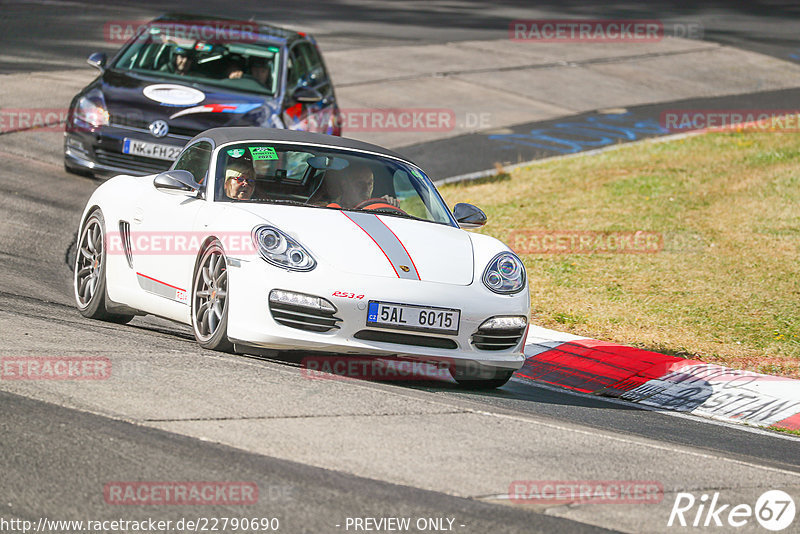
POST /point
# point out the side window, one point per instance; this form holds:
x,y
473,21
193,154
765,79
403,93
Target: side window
x,y
305,67
317,74
196,160
297,68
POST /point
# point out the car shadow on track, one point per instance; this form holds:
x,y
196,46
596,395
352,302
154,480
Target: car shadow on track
x,y
515,392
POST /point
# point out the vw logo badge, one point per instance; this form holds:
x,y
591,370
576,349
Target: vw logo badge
x,y
159,128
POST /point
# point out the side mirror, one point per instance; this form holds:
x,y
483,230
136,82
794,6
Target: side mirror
x,y
97,60
176,182
469,216
306,95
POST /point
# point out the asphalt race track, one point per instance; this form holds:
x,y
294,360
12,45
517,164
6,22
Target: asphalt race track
x,y
321,452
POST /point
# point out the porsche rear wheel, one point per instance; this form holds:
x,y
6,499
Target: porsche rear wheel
x,y
210,300
89,276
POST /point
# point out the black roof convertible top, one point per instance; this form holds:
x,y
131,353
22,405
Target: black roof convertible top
x,y
247,133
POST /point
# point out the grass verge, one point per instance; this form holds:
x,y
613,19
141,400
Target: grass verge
x,y
785,430
723,285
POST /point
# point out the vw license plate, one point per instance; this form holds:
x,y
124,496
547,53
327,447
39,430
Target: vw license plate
x,y
150,150
408,317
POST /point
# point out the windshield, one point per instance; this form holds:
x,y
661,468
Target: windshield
x,y
261,172
242,65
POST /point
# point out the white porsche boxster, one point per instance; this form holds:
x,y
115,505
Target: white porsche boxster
x,y
280,240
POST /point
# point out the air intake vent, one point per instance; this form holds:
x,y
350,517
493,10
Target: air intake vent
x,y
133,163
125,237
499,333
305,312
406,339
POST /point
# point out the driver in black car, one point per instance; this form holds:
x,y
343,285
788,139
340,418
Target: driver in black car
x,y
181,63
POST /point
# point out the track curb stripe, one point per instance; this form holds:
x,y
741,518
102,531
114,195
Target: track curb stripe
x,y
661,381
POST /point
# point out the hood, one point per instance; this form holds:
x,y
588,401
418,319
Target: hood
x,y
136,100
377,245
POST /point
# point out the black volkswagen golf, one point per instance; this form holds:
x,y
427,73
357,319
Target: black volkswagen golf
x,y
180,75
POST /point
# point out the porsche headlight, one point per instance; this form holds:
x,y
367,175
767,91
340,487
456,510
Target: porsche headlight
x,y
281,250
505,274
91,109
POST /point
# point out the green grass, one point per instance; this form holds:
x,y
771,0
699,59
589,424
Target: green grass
x,y
725,288
785,430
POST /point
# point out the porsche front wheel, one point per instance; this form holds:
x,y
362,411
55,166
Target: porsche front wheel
x,y
210,300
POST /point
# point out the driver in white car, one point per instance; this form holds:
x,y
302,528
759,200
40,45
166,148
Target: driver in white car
x,y
349,188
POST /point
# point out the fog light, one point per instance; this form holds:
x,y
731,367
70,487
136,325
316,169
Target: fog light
x,y
74,143
301,300
504,323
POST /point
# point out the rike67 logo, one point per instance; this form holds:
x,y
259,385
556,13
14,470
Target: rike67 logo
x,y
774,510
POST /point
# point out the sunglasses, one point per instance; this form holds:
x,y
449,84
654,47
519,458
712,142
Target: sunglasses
x,y
242,179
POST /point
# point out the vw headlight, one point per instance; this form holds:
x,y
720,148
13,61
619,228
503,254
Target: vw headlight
x,y
91,109
281,250
505,274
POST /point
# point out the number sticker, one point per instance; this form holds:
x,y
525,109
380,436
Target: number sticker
x,y
263,152
347,295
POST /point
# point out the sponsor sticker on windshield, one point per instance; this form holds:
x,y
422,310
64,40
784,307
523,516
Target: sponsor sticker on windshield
x,y
416,173
236,152
263,152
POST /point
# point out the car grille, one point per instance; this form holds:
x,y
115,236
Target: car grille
x,y
406,339
303,318
125,121
127,161
497,339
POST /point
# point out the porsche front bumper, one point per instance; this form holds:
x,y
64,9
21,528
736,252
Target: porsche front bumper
x,y
252,323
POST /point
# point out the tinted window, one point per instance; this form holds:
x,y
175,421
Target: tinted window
x,y
178,52
316,71
298,68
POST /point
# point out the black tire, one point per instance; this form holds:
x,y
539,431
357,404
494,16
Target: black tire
x,y
209,287
89,276
480,377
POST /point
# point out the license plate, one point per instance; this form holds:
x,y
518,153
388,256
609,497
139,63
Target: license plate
x,y
409,317
150,150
